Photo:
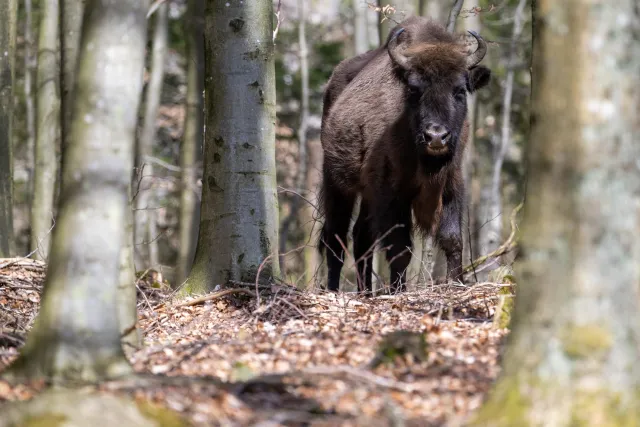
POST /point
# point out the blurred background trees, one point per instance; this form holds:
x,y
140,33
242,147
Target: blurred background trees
x,y
167,199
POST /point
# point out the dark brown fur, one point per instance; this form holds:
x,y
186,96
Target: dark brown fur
x,y
374,117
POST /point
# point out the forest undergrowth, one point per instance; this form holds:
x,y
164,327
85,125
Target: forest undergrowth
x,y
289,357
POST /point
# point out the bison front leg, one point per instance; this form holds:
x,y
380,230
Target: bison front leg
x,y
395,225
449,233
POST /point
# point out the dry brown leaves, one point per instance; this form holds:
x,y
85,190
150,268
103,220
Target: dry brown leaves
x,y
301,357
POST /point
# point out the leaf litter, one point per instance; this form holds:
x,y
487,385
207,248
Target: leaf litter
x,y
424,358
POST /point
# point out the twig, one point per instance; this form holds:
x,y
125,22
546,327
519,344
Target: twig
x,y
154,7
279,21
507,246
215,296
162,163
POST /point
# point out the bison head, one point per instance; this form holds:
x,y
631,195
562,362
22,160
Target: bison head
x,y
437,75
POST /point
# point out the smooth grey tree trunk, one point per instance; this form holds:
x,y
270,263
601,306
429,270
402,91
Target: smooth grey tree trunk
x,y
30,110
75,336
8,10
495,227
47,129
572,356
71,12
239,213
360,30
191,148
145,230
471,23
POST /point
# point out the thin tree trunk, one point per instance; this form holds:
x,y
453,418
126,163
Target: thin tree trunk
x,y
30,111
296,212
572,355
500,149
435,9
8,10
48,129
361,38
74,336
471,23
191,149
239,213
453,15
312,259
127,291
301,179
145,216
71,12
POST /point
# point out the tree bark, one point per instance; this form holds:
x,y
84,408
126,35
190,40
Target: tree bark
x,y
572,355
75,336
453,15
471,23
239,213
360,30
191,149
47,130
71,12
145,230
30,111
494,227
9,10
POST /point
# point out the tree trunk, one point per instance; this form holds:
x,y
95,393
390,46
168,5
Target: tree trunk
x,y
572,355
301,179
47,131
435,9
500,149
453,15
75,336
191,149
8,9
239,213
30,111
127,291
471,23
312,259
71,12
360,30
145,215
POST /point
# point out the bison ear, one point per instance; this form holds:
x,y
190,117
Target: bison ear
x,y
479,77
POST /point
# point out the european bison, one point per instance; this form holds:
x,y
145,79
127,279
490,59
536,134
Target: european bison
x,y
394,130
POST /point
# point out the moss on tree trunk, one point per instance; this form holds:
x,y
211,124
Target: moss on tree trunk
x,y
76,335
572,355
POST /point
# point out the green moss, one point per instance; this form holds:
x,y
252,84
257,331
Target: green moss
x,y
585,341
506,407
603,409
502,317
162,416
45,420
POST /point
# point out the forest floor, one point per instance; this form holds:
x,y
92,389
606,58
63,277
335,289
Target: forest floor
x,y
422,358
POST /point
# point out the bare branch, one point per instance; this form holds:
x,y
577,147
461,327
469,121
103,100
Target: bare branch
x,y
507,246
453,15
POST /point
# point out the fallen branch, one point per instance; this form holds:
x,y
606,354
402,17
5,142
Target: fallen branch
x,y
506,247
215,296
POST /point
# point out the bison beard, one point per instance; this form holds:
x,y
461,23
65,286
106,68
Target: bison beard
x,y
394,130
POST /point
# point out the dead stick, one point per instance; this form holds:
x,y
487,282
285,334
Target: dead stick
x,y
215,296
507,246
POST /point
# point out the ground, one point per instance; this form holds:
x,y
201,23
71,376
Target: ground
x,y
424,358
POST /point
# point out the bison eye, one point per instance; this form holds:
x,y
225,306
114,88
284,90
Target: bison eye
x,y
460,94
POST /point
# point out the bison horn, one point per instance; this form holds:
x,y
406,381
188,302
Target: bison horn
x,y
394,52
476,57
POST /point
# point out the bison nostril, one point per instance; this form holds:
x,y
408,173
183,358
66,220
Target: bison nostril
x,y
436,136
